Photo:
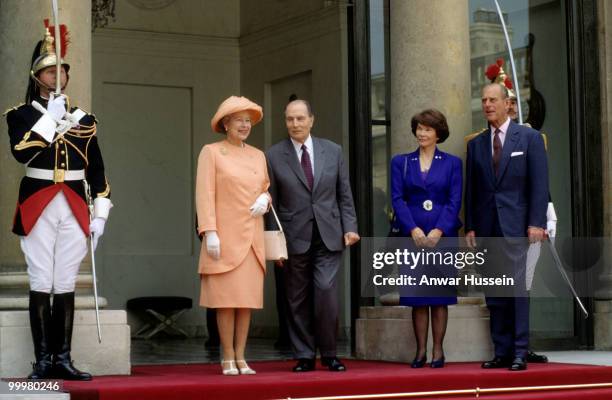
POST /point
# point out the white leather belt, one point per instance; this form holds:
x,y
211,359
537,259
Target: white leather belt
x,y
57,175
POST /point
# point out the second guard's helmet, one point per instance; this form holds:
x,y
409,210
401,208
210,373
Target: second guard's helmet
x,y
496,74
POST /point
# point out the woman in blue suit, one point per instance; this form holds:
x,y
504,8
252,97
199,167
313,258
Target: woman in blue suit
x,y
426,195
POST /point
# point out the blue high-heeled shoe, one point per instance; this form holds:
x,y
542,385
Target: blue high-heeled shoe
x,y
419,363
439,363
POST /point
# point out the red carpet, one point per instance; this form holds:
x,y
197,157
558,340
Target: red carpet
x,y
274,380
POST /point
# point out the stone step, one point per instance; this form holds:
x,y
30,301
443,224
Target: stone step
x,y
385,333
111,357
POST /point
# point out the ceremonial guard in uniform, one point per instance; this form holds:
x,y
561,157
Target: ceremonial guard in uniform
x,y
57,143
496,74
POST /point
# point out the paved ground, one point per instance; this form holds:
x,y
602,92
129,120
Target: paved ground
x,y
178,351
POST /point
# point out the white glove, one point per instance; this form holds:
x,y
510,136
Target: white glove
x,y
551,228
260,207
96,228
56,107
213,244
551,220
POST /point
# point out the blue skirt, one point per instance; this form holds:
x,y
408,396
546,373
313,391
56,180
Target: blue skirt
x,y
433,284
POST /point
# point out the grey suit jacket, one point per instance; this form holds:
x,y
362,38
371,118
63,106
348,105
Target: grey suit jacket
x,y
330,203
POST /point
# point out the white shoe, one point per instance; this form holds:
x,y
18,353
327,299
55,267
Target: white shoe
x,y
244,368
229,367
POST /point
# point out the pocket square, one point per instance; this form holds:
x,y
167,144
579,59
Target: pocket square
x,y
516,153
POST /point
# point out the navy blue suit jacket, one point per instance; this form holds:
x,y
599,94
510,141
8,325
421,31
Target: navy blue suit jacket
x,y
442,187
518,194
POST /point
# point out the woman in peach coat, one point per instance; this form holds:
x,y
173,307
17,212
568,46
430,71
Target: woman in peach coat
x,y
231,197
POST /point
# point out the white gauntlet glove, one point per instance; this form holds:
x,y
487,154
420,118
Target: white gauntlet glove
x,y
213,244
551,221
260,207
96,228
51,120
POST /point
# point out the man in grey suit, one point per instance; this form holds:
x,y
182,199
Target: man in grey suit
x,y
311,192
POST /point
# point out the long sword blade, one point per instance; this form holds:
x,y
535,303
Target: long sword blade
x,y
93,258
95,287
58,48
511,55
559,266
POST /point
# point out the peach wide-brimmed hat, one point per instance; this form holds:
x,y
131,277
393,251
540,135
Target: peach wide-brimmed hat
x,y
234,104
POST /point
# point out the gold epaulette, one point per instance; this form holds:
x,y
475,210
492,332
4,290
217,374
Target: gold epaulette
x,y
472,135
545,141
12,108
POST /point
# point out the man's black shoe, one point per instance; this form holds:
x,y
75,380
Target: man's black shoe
x,y
304,365
497,362
518,364
333,364
536,358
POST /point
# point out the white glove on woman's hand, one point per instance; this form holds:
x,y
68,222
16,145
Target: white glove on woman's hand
x,y
96,228
56,107
260,207
213,244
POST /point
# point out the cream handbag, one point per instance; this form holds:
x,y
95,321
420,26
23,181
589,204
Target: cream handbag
x,y
276,245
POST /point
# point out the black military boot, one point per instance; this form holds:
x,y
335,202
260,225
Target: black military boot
x,y
40,323
62,319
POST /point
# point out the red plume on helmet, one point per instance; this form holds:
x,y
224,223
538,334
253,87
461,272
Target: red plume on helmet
x,y
492,71
508,83
496,74
44,56
64,36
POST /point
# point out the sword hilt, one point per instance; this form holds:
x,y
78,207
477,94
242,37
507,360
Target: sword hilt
x,y
90,203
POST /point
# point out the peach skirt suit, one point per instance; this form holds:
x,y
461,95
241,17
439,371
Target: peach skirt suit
x,y
229,180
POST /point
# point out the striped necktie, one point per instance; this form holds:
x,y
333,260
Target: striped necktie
x,y
497,150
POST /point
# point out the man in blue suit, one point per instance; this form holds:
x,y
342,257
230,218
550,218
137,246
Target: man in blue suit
x,y
506,196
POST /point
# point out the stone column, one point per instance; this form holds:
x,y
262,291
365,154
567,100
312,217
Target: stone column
x,y
430,67
603,297
21,26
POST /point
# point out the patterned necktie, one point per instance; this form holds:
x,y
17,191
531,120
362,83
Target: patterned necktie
x,y
497,150
307,166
